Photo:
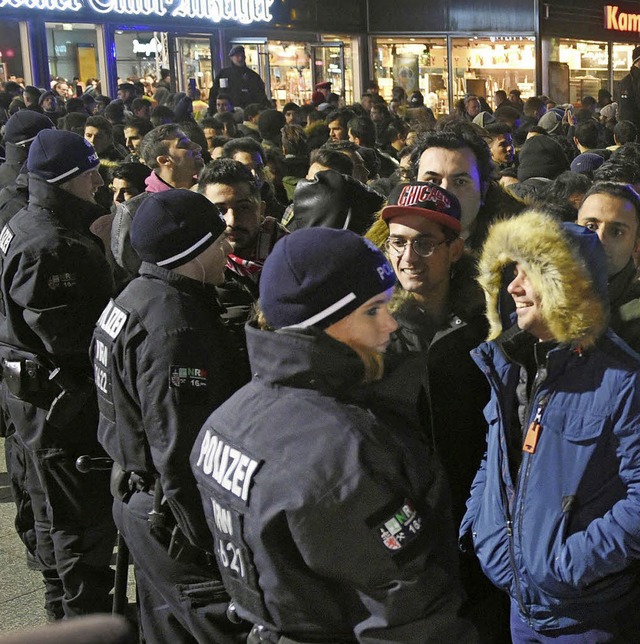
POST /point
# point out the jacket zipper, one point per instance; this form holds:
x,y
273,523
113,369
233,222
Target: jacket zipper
x,y
523,477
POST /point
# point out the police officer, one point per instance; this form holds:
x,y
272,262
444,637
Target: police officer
x,y
329,524
163,361
55,281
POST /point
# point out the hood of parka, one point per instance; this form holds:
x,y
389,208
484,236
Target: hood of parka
x,y
566,265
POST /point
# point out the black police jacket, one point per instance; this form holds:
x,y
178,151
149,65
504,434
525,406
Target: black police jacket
x,y
243,86
629,101
328,524
15,158
163,362
55,281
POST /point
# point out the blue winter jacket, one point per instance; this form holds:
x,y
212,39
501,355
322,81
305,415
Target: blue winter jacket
x,y
562,538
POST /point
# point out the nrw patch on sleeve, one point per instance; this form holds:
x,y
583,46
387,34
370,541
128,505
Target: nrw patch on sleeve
x,y
188,378
399,528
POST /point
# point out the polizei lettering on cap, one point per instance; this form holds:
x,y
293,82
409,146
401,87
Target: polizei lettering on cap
x,y
226,465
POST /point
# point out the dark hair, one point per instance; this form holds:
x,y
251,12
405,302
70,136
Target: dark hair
x,y
218,141
294,140
625,132
156,143
289,107
532,105
619,171
100,123
224,97
537,129
332,159
619,190
229,173
160,113
143,126
587,134
136,173
588,102
245,144
32,92
627,153
138,103
251,110
227,122
566,184
457,135
73,122
497,129
363,128
164,73
343,115
501,93
75,104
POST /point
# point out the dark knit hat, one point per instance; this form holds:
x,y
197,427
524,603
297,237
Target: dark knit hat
x,y
58,156
174,226
635,55
426,200
23,127
317,276
270,122
235,50
541,156
586,163
551,121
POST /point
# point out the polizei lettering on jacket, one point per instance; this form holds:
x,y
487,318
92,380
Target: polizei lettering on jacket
x,y
228,466
621,20
112,320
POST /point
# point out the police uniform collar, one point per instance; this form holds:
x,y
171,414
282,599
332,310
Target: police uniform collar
x,y
181,282
15,153
72,211
304,358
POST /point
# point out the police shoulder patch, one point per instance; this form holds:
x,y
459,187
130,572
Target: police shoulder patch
x,y
188,378
112,319
397,528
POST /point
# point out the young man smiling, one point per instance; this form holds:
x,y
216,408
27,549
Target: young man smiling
x,y
554,513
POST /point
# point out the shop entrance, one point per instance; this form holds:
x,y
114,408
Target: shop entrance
x,y
194,55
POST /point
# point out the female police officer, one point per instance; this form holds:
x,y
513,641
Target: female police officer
x,y
328,525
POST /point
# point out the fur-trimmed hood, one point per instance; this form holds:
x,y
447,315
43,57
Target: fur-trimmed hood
x,y
564,262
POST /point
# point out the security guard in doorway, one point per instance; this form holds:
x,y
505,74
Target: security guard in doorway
x,y
163,361
54,282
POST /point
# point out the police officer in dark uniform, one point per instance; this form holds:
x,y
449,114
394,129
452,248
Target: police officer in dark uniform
x,y
55,281
329,524
629,100
163,361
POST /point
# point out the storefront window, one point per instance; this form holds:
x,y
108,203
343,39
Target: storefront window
x,y
587,64
622,59
72,50
11,66
291,69
140,53
481,66
415,64
194,62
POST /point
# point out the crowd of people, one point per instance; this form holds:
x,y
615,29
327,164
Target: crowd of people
x,y
333,373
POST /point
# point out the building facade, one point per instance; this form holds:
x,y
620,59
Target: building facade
x,y
444,48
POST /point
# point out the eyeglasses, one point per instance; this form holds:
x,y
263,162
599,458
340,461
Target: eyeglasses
x,y
421,246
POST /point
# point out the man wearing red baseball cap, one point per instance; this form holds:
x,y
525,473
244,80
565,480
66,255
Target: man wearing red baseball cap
x,y
440,311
